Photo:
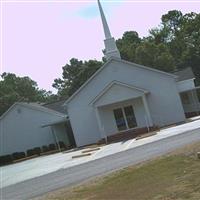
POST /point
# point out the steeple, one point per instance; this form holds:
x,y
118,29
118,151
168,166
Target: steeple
x,y
110,45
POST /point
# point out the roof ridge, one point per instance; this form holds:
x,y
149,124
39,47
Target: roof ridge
x,y
42,107
39,107
119,60
115,82
64,99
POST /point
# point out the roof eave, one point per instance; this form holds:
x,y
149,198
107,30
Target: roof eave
x,y
110,85
100,69
119,60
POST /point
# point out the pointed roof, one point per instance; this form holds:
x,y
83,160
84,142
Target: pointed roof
x,y
33,106
118,83
57,106
121,61
185,74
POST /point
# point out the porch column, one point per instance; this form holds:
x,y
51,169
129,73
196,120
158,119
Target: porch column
x,y
56,139
146,107
101,128
195,101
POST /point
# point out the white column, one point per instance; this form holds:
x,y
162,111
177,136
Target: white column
x,y
56,139
124,115
146,107
195,101
101,128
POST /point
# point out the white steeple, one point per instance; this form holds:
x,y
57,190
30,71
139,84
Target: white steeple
x,y
110,45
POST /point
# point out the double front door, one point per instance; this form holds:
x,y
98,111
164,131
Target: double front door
x,y
125,118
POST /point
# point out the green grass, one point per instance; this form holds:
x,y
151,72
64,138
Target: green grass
x,y
173,177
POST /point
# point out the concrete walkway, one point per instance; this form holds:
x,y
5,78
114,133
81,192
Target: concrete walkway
x,y
40,166
80,173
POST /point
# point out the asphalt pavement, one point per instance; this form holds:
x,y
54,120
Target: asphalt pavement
x,y
81,173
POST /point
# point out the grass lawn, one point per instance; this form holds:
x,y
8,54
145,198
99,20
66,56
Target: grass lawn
x,y
175,176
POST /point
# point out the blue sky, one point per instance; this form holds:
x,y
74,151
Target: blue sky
x,y
91,11
41,37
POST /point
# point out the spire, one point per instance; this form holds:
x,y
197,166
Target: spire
x,y
104,22
110,45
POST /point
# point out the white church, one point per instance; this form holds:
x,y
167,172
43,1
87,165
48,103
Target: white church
x,y
121,98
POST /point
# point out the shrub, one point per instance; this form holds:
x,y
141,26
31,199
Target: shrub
x,y
45,148
68,147
6,159
37,150
18,155
62,144
52,147
22,155
30,152
15,155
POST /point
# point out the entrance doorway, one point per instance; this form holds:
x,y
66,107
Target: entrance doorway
x,y
125,118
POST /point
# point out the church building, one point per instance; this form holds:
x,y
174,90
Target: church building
x,y
121,100
123,97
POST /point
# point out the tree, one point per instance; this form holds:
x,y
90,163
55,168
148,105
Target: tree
x,y
180,34
128,44
155,56
13,89
150,51
191,54
174,44
74,75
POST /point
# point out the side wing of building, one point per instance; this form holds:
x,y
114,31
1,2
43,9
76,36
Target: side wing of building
x,y
21,129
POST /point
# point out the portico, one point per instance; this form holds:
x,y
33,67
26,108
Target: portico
x,y
121,107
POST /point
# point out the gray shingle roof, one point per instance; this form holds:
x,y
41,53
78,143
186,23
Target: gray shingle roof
x,y
57,106
185,74
35,106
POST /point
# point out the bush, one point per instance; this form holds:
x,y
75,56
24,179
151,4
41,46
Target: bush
x,y
15,155
37,150
68,147
45,148
22,155
7,159
30,152
18,155
52,147
62,145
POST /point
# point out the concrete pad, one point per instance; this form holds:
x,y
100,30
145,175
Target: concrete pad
x,y
39,166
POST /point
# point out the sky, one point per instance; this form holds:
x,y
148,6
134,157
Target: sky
x,y
38,37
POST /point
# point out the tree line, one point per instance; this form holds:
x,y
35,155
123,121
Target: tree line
x,y
172,46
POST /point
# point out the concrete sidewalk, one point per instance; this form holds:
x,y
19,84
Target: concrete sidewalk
x,y
40,166
80,173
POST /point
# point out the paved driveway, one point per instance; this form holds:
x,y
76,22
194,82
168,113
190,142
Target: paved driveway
x,y
40,166
76,174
